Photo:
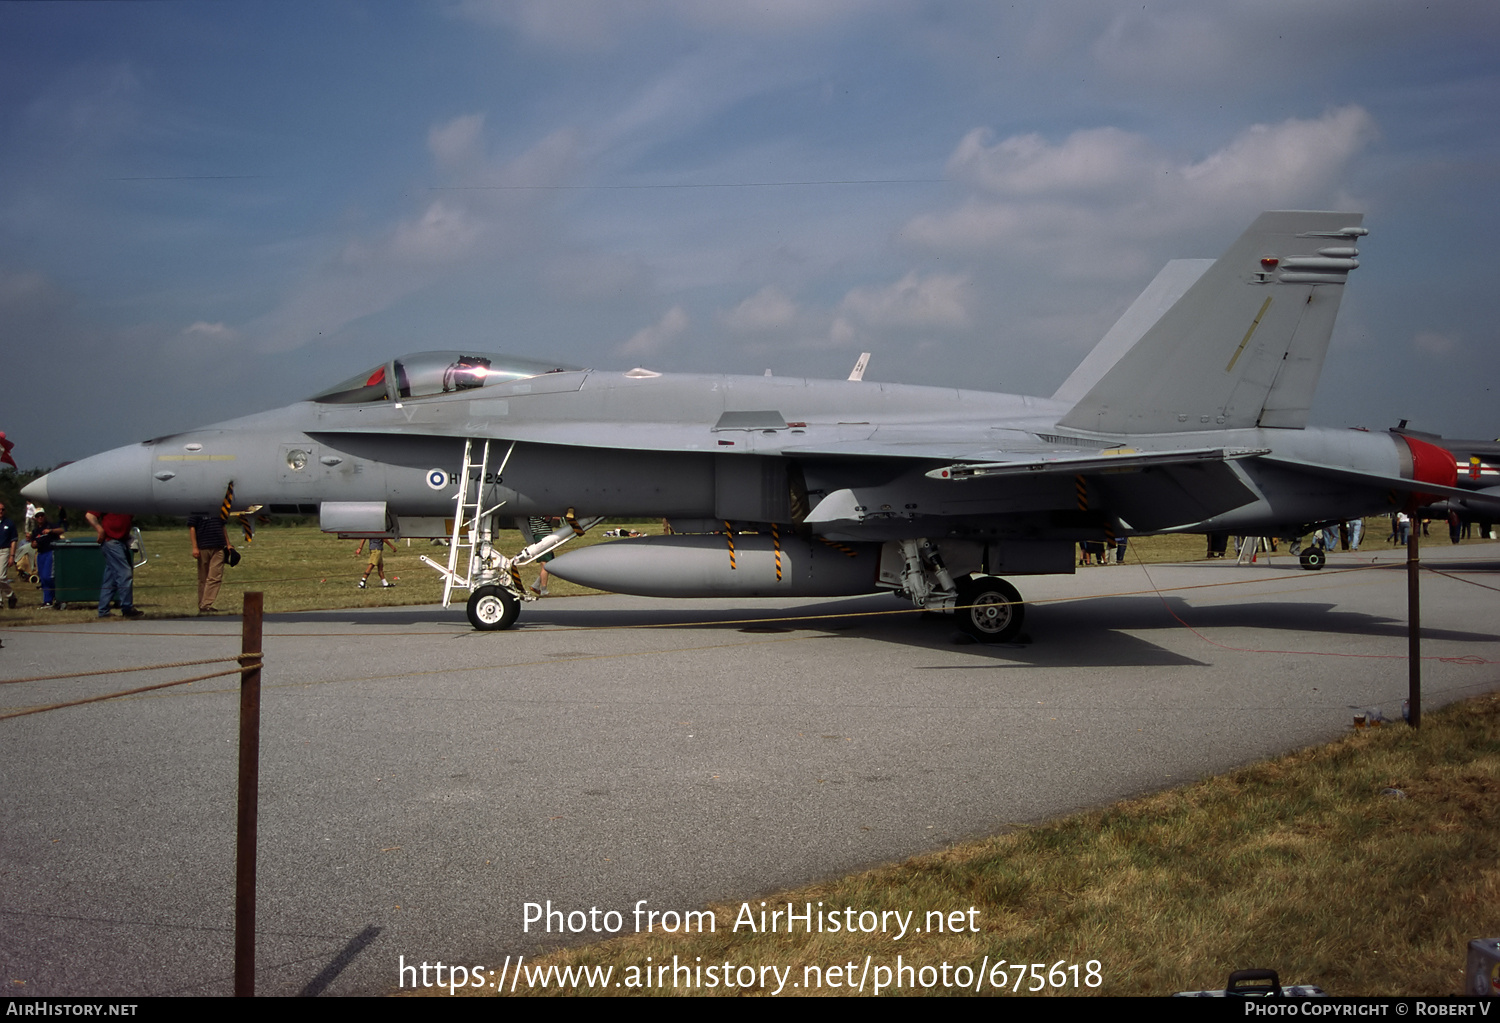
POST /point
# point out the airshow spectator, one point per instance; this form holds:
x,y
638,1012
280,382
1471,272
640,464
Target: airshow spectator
x,y
9,539
43,535
210,548
113,531
377,561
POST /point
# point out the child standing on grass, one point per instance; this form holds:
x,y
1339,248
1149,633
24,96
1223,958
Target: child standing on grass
x,y
377,560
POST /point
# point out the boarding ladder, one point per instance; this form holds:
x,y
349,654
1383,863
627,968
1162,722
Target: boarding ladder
x,y
474,528
471,520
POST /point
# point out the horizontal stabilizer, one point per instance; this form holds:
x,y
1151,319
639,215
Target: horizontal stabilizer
x,y
1479,500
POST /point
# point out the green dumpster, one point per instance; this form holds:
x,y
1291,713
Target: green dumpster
x,y
77,571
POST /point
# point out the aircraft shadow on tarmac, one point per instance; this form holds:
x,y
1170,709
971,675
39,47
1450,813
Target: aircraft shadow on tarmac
x,y
1393,559
1099,632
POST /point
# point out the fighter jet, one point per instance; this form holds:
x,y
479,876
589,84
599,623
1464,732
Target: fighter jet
x,y
1189,416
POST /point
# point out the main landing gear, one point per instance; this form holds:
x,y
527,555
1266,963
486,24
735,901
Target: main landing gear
x,y
985,607
1313,558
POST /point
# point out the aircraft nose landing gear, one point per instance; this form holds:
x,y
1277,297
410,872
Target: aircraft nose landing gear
x,y
990,609
492,579
492,608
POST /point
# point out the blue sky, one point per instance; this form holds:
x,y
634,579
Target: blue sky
x,y
208,209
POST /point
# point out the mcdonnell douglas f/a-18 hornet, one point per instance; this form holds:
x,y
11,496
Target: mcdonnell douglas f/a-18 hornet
x,y
1189,416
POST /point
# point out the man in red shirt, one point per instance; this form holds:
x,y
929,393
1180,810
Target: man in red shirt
x,y
113,530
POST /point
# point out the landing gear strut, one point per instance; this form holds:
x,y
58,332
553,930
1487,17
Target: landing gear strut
x,y
492,579
987,608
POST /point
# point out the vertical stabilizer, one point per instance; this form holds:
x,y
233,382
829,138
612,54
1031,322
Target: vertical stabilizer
x,y
1244,345
1160,295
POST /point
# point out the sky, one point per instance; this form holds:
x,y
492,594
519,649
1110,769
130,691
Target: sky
x,y
209,209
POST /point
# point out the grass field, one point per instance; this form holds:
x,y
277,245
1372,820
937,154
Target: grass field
x,y
299,568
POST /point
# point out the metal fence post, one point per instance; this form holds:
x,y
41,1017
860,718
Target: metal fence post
x,y
249,797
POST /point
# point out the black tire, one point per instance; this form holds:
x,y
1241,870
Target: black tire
x,y
1313,559
492,608
990,609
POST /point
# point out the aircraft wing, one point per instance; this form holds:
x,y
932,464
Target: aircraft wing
x,y
1145,490
1113,460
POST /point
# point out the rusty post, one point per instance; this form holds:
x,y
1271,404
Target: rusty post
x,y
249,798
1413,626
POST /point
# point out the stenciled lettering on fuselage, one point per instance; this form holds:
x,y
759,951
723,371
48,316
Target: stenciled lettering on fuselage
x,y
441,479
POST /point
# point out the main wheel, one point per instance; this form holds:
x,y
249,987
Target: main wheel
x,y
492,608
1313,558
990,609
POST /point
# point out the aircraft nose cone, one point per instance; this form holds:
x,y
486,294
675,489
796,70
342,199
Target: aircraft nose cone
x,y
115,481
36,490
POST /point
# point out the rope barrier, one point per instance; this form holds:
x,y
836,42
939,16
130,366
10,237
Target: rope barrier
x,y
115,671
131,692
1471,582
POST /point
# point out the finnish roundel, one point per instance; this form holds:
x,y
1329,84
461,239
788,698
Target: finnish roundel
x,y
437,479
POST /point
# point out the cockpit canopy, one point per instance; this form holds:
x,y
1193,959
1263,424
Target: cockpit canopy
x,y
428,373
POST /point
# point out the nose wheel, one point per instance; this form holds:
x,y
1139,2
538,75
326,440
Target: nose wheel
x,y
492,608
1313,559
990,609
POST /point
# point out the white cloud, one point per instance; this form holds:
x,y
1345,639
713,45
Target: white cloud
x,y
492,219
218,332
585,25
1279,164
457,143
1187,44
592,276
1092,160
548,162
91,106
767,309
941,300
1105,192
441,235
651,340
1433,343
19,288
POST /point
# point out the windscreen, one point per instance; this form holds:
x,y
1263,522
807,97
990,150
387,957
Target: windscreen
x,y
427,373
